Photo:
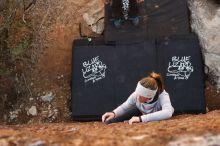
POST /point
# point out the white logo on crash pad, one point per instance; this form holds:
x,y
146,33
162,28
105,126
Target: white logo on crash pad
x,y
180,68
93,70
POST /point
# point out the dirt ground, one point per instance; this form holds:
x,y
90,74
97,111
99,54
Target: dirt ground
x,y
97,134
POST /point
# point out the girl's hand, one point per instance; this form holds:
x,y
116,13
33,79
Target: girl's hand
x,y
134,120
139,1
108,116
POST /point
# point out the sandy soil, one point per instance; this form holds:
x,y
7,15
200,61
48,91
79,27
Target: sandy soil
x,y
97,133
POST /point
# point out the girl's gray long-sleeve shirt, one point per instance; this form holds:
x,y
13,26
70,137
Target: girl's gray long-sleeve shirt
x,y
159,110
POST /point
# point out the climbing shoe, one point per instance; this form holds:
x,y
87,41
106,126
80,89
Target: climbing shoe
x,y
134,20
117,23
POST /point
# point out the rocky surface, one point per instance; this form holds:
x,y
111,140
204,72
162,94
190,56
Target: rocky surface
x,y
205,21
184,130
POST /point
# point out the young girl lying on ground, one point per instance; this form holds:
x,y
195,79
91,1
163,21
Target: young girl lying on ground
x,y
124,10
149,102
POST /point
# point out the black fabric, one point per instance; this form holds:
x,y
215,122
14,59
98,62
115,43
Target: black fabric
x,y
167,17
126,64
186,92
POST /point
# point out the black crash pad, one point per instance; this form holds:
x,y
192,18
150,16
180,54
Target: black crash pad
x,y
180,62
104,76
167,17
157,18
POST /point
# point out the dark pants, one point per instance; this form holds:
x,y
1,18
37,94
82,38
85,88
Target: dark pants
x,y
117,9
126,116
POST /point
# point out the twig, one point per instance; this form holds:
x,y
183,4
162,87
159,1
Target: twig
x,y
27,8
12,14
27,85
30,4
24,18
45,16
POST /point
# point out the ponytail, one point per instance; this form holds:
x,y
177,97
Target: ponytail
x,y
159,80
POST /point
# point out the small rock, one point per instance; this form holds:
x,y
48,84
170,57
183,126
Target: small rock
x,y
37,143
60,77
72,129
55,110
22,105
44,114
14,114
140,137
48,97
32,111
5,117
156,6
3,142
205,140
50,115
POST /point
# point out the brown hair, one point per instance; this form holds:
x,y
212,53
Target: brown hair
x,y
153,81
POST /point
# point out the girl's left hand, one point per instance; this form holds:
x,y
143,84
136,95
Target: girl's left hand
x,y
134,120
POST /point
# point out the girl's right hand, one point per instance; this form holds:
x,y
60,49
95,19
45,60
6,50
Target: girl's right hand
x,y
108,116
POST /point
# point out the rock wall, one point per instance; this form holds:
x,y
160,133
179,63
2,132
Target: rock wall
x,y
205,21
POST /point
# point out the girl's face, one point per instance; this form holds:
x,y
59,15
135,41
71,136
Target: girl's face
x,y
143,99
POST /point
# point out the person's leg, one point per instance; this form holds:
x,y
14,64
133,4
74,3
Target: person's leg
x,y
126,116
117,13
133,8
116,9
133,12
